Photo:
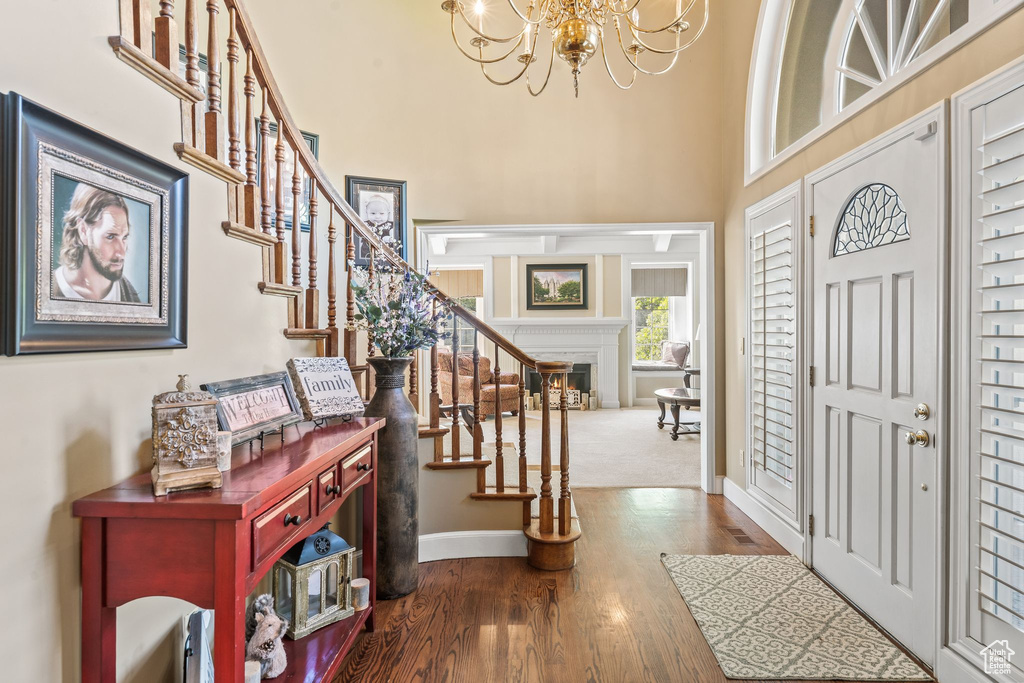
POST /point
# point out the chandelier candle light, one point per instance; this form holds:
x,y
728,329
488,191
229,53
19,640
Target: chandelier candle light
x,y
579,29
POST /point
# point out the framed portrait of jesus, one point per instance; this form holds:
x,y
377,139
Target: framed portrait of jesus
x,y
94,255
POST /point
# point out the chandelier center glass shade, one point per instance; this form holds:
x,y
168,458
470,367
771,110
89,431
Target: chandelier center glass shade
x,y
620,30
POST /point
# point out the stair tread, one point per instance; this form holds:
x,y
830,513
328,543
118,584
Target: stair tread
x,y
510,493
464,464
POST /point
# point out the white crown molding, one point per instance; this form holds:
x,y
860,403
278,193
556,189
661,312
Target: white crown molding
x,y
472,232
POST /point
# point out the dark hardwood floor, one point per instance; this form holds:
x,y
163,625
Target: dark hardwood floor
x,y
615,617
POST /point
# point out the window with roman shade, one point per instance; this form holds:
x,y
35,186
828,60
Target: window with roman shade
x,y
660,311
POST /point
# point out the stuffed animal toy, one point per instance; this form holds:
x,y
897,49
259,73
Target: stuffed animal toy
x,y
263,604
265,645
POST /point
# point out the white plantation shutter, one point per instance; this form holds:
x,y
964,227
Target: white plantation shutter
x,y
772,366
995,374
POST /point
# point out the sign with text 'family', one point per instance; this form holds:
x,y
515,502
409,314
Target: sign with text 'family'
x,y
325,388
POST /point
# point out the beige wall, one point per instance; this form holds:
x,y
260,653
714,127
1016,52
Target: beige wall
x,y
987,53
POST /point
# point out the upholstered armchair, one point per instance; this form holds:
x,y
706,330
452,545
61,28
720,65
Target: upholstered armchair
x,y
488,388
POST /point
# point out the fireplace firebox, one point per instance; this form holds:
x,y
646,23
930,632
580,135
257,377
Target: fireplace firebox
x,y
578,379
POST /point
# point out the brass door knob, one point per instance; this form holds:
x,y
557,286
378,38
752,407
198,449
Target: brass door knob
x,y
922,411
918,438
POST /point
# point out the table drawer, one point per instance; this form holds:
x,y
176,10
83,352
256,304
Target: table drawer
x,y
356,467
328,489
280,525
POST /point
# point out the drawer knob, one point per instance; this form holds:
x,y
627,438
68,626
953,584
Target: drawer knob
x,y
336,490
294,520
362,467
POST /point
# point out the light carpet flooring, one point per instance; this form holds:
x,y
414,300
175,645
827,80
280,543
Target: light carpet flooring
x,y
607,448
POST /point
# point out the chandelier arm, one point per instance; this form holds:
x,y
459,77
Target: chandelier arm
x,y
613,12
608,68
524,70
526,17
481,60
675,50
480,33
547,78
483,70
633,61
682,15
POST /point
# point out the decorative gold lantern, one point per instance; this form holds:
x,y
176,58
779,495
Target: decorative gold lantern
x,y
184,440
313,583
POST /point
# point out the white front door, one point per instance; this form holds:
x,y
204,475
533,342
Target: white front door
x,y
878,215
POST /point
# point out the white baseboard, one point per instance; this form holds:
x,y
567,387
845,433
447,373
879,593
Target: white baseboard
x,y
788,537
951,667
719,484
611,404
451,545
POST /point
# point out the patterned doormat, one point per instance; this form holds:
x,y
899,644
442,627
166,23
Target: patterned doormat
x,y
768,616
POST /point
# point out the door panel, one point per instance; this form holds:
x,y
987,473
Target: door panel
x,y
875,311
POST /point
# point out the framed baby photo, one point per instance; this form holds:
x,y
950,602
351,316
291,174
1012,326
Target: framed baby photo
x,y
381,204
94,239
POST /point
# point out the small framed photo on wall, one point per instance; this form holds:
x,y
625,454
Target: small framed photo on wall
x,y
381,204
94,254
556,287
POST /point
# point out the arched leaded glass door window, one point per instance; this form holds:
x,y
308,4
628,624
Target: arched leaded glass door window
x,y
873,217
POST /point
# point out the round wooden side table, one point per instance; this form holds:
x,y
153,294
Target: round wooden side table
x,y
675,398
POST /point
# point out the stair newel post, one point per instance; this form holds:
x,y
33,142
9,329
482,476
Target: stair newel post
x,y
499,460
547,505
167,36
193,112
213,138
312,293
142,26
527,513
234,138
456,434
332,286
267,211
564,506
280,247
350,300
250,196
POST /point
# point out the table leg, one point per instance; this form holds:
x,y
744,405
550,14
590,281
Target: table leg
x,y
229,602
99,623
370,538
661,418
675,419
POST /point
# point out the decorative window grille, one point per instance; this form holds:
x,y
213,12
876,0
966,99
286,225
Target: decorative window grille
x,y
772,368
874,216
997,367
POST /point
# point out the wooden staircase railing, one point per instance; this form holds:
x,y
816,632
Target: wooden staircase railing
x,y
222,136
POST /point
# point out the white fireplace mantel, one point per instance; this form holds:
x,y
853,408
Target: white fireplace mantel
x,y
581,340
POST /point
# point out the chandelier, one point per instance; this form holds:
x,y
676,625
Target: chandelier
x,y
579,30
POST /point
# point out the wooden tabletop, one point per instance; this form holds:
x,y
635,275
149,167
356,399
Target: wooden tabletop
x,y
255,476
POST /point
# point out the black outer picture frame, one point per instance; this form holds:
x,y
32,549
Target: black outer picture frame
x,y
245,384
584,282
25,125
401,220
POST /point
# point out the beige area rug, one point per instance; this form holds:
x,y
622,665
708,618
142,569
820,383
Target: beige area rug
x,y
607,448
768,616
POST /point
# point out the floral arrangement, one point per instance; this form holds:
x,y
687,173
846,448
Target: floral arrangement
x,y
399,308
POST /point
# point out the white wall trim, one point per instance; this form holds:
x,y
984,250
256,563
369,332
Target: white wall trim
x,y
451,545
776,527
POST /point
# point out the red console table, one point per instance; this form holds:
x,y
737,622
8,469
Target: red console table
x,y
211,547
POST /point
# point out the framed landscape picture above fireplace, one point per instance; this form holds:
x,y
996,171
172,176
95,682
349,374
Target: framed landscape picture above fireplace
x,y
556,287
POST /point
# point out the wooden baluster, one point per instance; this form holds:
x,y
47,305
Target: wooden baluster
x,y
527,512
142,26
499,461
547,505
312,293
456,435
167,37
192,123
250,194
435,398
234,139
371,272
213,138
332,287
564,501
278,251
350,301
414,392
296,319
478,436
267,213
